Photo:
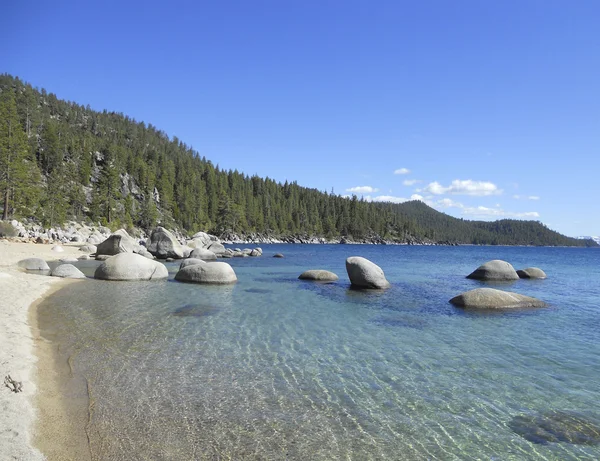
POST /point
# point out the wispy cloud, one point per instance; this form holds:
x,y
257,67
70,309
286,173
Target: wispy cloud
x,y
463,187
482,211
411,182
402,171
390,198
528,197
362,189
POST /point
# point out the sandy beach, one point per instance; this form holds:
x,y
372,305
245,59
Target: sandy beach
x,y
18,346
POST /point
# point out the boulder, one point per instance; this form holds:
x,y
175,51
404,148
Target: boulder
x,y
131,266
95,239
217,248
201,240
187,251
68,259
88,248
255,253
33,264
163,244
214,273
318,275
84,257
145,253
67,271
490,298
365,274
190,262
495,270
204,254
258,250
102,257
531,273
119,242
57,249
278,255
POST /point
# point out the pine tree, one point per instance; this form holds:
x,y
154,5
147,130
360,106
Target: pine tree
x,y
18,172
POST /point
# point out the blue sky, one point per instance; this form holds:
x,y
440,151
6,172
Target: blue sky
x,y
481,109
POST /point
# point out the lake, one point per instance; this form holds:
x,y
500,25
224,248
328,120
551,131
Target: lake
x,y
275,368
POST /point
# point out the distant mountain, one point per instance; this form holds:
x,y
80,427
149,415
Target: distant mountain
x,y
67,161
595,239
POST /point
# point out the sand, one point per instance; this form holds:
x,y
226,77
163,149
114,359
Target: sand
x,y
18,344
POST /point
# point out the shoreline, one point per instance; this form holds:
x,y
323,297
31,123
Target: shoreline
x,y
20,348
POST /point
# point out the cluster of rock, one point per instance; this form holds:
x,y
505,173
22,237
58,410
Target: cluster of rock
x,y
361,272
491,298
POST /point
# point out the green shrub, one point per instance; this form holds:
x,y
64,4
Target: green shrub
x,y
7,230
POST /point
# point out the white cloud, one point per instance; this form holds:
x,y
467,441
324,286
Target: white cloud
x,y
463,187
362,189
533,197
390,198
402,171
498,212
448,203
416,197
411,182
522,197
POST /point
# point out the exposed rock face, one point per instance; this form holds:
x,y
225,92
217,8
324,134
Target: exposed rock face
x,y
68,271
318,275
33,264
365,274
119,242
190,262
217,248
204,254
531,273
164,245
490,298
214,273
131,266
495,270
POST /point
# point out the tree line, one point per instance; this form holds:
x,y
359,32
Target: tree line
x,y
60,160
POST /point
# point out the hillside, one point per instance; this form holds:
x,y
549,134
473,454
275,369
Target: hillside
x,y
60,160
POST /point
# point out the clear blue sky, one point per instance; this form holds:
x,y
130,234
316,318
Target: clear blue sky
x,y
492,106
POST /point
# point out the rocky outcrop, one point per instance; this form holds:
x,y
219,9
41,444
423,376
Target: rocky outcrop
x,y
318,275
67,271
163,244
131,266
531,273
218,273
33,264
490,298
365,274
495,270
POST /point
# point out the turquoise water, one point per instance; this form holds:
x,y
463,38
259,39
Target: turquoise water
x,y
275,368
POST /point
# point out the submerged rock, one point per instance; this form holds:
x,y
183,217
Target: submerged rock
x,y
195,310
213,273
67,271
557,426
490,298
531,273
33,264
318,275
495,270
365,274
131,266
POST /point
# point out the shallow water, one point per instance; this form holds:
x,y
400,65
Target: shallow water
x,y
276,368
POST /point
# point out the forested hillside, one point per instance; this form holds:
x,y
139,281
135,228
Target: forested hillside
x,y
60,160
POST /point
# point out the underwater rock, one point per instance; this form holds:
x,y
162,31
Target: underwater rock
x,y
557,426
318,275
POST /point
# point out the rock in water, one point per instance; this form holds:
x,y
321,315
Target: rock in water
x,y
318,275
131,266
531,273
365,274
217,248
67,271
278,255
33,264
119,242
495,270
556,427
490,298
164,245
190,262
204,254
214,273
